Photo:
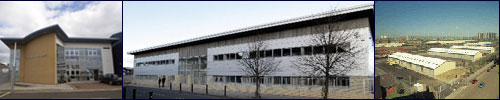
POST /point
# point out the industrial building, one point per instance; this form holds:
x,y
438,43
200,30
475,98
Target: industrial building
x,y
424,65
213,58
49,56
484,50
471,55
449,42
479,44
389,44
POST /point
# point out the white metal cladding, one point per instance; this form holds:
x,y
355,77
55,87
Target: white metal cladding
x,y
278,23
232,68
429,62
166,69
471,47
454,51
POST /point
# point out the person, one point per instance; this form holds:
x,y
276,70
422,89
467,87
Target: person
x,y
163,80
159,80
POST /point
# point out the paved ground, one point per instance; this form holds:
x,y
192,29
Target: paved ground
x,y
143,93
115,94
93,85
472,91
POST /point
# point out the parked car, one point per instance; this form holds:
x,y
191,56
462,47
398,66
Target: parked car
x,y
489,70
474,81
111,79
481,85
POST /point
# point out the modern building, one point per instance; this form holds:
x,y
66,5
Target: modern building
x,y
49,56
471,55
214,58
424,65
117,53
489,35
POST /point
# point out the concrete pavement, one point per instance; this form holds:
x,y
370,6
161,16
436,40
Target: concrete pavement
x,y
472,91
115,94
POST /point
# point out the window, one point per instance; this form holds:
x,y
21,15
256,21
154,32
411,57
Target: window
x,y
173,61
318,50
239,55
307,50
269,53
232,56
253,54
286,52
296,51
261,54
216,57
277,80
277,53
221,57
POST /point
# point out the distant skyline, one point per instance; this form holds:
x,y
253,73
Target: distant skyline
x,y
436,19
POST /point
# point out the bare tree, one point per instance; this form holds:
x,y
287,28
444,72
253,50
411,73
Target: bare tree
x,y
256,65
336,52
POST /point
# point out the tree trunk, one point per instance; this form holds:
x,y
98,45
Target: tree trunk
x,y
257,85
325,88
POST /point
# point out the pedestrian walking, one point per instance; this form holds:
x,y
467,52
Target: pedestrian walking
x,y
163,80
159,80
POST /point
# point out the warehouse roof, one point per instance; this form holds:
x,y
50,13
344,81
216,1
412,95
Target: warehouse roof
x,y
352,12
454,51
428,62
472,47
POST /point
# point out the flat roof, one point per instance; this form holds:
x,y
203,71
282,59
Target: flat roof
x,y
428,62
60,34
472,47
454,51
366,9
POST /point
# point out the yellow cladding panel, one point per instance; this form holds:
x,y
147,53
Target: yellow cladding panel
x,y
38,60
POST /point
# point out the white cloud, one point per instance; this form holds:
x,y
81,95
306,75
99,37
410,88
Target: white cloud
x,y
96,19
57,4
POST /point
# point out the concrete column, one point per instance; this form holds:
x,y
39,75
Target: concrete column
x,y
168,78
190,79
178,78
209,79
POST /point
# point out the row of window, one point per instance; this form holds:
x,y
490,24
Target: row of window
x,y
281,52
285,80
158,62
82,51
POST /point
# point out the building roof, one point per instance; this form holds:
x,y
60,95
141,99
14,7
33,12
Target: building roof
x,y
472,47
454,51
366,9
428,62
60,34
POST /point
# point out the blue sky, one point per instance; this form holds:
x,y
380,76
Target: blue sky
x,y
430,18
147,24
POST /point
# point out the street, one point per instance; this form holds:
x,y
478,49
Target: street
x,y
143,93
489,91
115,94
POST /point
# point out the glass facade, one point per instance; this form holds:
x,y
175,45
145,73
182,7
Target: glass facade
x,y
82,63
195,66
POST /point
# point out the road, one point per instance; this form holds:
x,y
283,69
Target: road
x,y
143,93
489,91
115,94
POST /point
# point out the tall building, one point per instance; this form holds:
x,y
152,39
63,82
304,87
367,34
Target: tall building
x,y
49,56
407,37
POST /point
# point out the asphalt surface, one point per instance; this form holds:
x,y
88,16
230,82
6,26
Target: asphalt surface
x,y
143,93
489,91
116,94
